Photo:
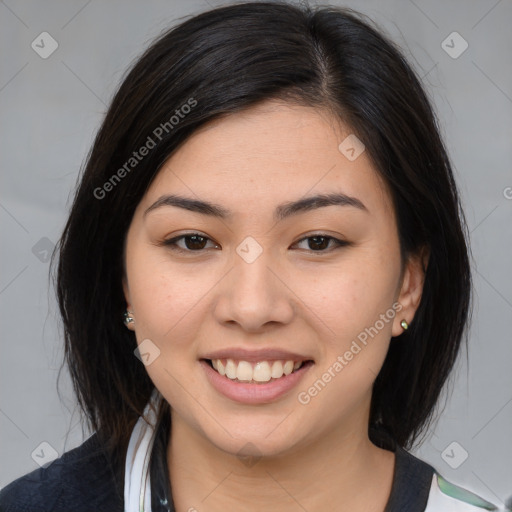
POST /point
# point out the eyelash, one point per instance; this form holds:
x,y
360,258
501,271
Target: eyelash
x,y
171,243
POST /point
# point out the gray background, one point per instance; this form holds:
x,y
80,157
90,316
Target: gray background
x,y
52,107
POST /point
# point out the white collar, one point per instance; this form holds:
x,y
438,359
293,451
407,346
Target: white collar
x,y
137,485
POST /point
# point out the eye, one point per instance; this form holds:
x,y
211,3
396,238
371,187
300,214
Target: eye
x,y
318,242
194,242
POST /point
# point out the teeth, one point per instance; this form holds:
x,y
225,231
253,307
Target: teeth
x,y
244,371
277,370
262,371
220,367
288,367
231,369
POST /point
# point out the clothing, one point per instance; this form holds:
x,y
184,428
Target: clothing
x,y
83,480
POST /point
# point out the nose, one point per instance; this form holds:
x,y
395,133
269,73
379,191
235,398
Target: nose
x,y
254,295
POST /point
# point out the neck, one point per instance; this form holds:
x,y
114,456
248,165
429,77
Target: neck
x,y
333,473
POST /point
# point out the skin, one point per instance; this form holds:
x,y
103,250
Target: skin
x,y
317,456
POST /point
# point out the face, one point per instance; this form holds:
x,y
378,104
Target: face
x,y
253,282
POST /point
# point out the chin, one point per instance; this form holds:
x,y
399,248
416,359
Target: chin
x,y
246,442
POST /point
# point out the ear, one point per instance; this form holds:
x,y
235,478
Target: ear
x,y
126,292
411,289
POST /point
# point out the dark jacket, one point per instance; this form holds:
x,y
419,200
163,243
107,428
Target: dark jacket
x,y
80,480
83,480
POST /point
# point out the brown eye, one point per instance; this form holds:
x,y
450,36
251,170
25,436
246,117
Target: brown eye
x,y
319,242
193,242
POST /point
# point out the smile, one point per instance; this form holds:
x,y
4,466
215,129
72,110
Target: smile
x,y
260,371
257,382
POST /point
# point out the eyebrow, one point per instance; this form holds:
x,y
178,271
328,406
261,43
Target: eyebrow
x,y
281,212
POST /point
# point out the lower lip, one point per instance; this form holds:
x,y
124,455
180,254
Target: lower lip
x,y
247,393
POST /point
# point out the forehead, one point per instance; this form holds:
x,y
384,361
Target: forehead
x,y
257,157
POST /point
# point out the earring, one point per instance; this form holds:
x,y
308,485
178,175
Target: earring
x,y
404,325
128,318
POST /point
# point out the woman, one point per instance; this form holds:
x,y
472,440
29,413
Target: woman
x,y
264,278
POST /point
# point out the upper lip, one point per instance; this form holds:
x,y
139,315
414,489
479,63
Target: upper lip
x,y
241,354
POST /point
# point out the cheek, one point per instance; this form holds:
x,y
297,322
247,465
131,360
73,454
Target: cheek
x,y
165,300
169,309
165,297
350,296
355,315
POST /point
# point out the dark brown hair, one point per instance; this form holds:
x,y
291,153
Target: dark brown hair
x,y
227,60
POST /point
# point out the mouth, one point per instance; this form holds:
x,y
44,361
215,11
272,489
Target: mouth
x,y
253,383
257,376
259,372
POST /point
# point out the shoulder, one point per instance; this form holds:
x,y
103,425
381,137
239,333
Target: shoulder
x,y
82,479
418,487
447,497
